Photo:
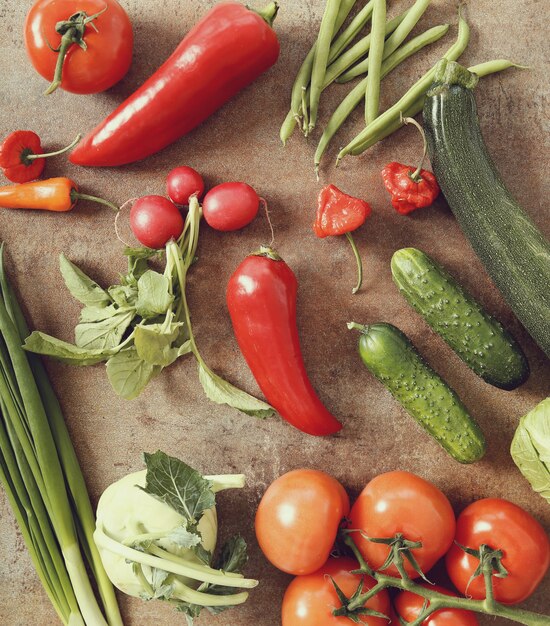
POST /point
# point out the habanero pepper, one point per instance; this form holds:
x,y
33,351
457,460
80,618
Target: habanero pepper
x,y
53,194
261,298
410,188
225,52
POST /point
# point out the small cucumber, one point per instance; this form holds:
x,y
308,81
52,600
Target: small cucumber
x,y
477,338
392,358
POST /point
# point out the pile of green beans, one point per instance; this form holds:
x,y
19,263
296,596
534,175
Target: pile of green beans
x,y
337,57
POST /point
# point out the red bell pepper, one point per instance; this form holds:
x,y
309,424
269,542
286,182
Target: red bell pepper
x,y
226,51
261,297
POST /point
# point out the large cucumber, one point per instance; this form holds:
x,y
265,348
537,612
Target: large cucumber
x,y
392,358
478,339
514,252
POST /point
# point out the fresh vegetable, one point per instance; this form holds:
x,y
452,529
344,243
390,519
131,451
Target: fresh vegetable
x,y
391,357
478,339
205,71
340,214
310,600
43,480
410,606
157,531
230,206
52,194
512,545
261,298
298,519
182,183
376,55
531,448
82,46
411,514
155,220
143,324
22,157
513,250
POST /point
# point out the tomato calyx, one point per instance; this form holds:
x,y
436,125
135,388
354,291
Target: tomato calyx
x,y
355,615
490,564
268,252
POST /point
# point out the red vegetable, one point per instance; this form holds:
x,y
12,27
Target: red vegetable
x,y
340,214
410,188
230,206
22,157
409,606
261,297
155,220
226,51
182,183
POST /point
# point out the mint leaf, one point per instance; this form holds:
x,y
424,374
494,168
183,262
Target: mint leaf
x,y
179,486
40,343
154,297
104,334
222,392
82,287
128,374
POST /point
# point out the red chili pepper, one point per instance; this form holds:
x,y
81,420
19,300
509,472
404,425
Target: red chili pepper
x,y
261,297
226,51
22,157
410,188
340,214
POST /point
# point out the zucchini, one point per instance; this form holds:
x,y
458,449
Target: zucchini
x,y
512,249
477,338
391,357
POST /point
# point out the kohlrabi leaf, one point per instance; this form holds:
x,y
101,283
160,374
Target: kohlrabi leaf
x,y
181,487
233,556
184,537
104,334
82,287
47,345
531,448
128,374
154,297
191,611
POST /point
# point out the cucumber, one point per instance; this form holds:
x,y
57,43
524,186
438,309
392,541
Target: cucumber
x,y
391,357
514,252
477,338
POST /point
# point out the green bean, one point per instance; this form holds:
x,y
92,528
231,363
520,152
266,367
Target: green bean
x,y
351,31
304,74
408,99
356,95
392,43
320,60
376,54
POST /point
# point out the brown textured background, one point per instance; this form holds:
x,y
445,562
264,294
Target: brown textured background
x,y
241,143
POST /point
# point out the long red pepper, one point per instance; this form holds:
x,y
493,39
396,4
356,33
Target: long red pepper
x,y
261,297
226,51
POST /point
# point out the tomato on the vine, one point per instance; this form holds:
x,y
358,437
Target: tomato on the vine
x,y
409,606
106,53
401,502
310,600
298,519
503,526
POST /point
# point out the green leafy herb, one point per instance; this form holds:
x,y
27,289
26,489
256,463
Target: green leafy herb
x,y
62,351
104,334
82,287
154,343
129,374
154,297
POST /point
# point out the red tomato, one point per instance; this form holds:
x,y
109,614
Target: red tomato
x,y
502,526
182,183
109,49
155,220
409,606
401,502
230,206
298,519
310,600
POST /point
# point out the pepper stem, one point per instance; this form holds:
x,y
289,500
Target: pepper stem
x,y
76,195
31,157
355,326
415,176
359,263
268,13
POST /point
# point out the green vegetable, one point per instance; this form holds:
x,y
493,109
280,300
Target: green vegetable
x,y
141,325
531,448
392,358
376,55
42,478
478,339
513,250
157,532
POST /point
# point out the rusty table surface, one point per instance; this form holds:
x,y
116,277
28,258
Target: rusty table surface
x,y
241,143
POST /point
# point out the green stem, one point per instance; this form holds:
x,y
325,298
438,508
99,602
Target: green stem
x,y
355,326
30,157
66,42
359,263
268,13
76,195
415,176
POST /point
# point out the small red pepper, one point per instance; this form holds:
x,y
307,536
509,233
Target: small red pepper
x,y
22,157
410,188
340,214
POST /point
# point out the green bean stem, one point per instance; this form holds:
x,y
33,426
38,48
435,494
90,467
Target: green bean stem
x,y
376,54
357,256
356,95
320,59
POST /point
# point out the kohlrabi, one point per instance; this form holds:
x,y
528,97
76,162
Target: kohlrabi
x,y
156,531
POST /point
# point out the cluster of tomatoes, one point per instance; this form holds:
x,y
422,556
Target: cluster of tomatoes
x,y
302,513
